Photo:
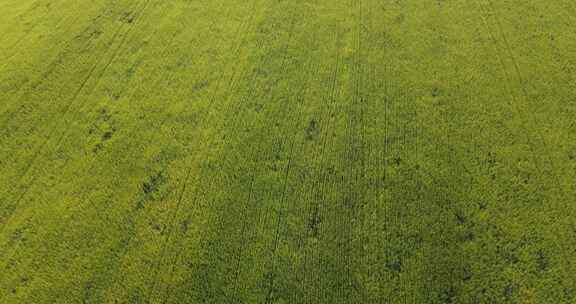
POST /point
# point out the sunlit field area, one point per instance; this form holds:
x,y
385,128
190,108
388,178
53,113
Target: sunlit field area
x,y
288,151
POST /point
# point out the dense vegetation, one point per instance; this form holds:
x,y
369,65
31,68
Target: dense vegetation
x,y
274,151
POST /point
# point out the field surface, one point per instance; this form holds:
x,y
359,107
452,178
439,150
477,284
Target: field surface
x,y
276,151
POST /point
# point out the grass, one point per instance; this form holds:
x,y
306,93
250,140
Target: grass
x,y
269,151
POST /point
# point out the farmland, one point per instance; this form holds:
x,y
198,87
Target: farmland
x,y
274,151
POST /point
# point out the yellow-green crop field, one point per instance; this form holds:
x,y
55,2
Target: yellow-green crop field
x,y
288,151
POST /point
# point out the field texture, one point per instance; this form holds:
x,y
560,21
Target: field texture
x,y
287,151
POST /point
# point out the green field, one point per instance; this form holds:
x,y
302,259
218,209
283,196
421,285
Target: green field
x,y
276,151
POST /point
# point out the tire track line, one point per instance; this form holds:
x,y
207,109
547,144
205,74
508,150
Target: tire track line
x,y
58,58
283,200
108,7
128,239
561,189
352,200
232,122
32,7
281,209
153,88
316,208
8,58
302,95
242,232
24,37
171,226
68,107
526,95
77,93
59,61
173,217
132,214
483,14
278,226
309,69
282,69
233,82
38,151
531,144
